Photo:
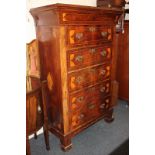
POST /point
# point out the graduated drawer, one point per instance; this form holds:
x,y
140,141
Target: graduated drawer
x,y
89,76
88,56
80,35
80,99
92,110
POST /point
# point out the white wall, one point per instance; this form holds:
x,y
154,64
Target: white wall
x,y
36,3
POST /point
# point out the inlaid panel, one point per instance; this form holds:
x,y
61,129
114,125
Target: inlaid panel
x,y
80,79
88,56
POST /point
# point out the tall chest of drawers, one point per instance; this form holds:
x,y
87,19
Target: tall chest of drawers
x,y
78,55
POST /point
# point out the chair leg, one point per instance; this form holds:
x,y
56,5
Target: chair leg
x,y
35,135
45,126
28,151
46,137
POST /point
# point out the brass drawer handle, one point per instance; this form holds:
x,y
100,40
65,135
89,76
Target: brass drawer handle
x,y
79,79
91,106
92,50
92,29
39,109
80,99
104,34
102,106
81,116
102,89
79,35
102,72
103,53
79,58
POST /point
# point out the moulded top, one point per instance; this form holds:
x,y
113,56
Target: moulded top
x,y
74,7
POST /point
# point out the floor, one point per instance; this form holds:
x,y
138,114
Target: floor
x,y
100,139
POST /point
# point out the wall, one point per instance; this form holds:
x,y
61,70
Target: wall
x,y
36,3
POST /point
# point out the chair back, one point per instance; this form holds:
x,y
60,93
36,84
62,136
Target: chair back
x,y
34,107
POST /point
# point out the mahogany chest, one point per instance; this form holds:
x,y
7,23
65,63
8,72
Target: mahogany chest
x,y
78,52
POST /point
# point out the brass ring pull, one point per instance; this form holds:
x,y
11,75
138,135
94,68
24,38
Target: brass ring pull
x,y
79,58
102,106
104,34
102,72
103,53
39,109
79,35
102,89
81,116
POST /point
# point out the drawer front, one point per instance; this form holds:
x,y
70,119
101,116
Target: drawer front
x,y
89,111
80,99
78,118
92,109
80,79
88,56
84,17
80,35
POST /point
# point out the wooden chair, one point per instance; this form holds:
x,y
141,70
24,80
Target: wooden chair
x,y
36,111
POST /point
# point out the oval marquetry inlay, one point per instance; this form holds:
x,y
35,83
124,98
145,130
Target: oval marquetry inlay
x,y
50,81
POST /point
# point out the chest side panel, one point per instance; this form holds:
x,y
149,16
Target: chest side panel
x,y
49,50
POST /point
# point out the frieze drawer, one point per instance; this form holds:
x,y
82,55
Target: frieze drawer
x,y
83,17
